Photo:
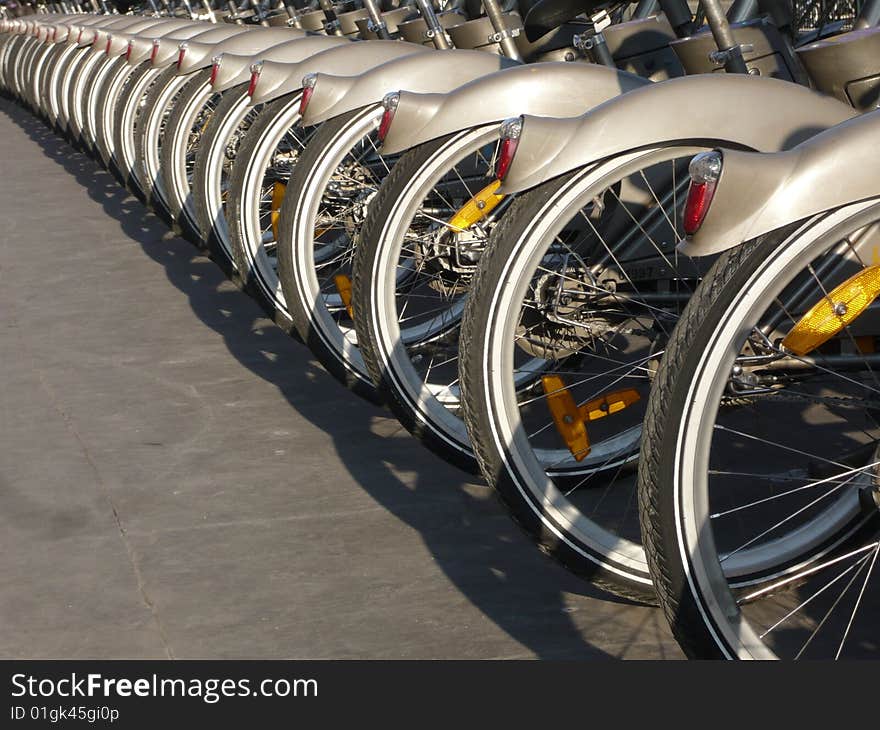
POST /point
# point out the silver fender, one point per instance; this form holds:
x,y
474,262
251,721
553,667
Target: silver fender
x,y
553,89
162,28
119,40
429,72
87,27
97,37
759,193
167,49
62,33
756,113
142,46
198,54
235,68
278,79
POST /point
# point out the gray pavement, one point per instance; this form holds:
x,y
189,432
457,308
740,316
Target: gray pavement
x,y
180,479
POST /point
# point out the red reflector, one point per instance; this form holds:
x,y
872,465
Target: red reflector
x,y
385,124
128,52
79,37
109,42
154,52
305,99
505,157
215,69
390,102
704,171
180,54
699,199
252,87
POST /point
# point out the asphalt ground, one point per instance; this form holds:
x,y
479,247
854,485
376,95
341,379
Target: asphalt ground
x,y
178,478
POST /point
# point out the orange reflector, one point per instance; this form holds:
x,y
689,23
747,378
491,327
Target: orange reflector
x,y
608,404
866,344
343,286
566,416
833,312
278,190
477,207
571,419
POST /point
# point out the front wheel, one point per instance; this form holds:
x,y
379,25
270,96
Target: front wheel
x,y
762,449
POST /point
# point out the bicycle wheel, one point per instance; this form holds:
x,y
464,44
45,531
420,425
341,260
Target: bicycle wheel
x,y
569,312
190,115
129,109
268,155
77,90
762,438
412,272
149,136
67,82
101,103
332,187
106,112
216,153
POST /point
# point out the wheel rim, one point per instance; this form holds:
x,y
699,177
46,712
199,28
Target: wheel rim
x,y
808,521
132,116
221,156
273,161
317,260
154,134
185,142
419,281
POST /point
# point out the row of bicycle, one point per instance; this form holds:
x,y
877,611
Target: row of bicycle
x,y
636,295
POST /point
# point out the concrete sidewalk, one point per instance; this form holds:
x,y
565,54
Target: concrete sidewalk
x,y
180,479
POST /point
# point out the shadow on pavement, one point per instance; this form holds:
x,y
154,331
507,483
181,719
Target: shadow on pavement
x,y
471,538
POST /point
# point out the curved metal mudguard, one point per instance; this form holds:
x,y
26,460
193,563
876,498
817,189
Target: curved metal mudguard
x,y
199,54
545,89
278,79
96,35
62,33
758,193
167,49
142,45
119,39
235,68
431,72
86,25
750,112
102,36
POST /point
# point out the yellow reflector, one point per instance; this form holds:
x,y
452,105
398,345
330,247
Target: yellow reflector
x,y
278,190
570,418
608,404
343,286
208,117
566,416
834,311
477,207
